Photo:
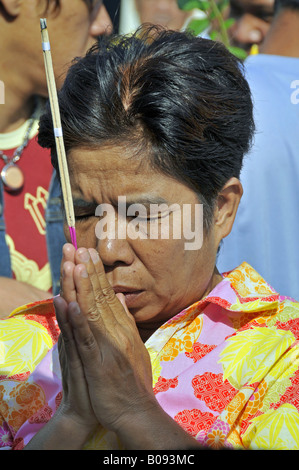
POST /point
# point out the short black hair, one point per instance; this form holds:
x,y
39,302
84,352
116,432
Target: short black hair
x,y
180,101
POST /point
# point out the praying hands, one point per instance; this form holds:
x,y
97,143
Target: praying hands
x,y
106,369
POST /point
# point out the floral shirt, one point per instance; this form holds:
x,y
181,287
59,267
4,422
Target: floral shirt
x,y
226,369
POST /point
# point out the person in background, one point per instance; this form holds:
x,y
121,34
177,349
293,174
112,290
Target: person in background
x,y
266,228
164,13
252,22
31,220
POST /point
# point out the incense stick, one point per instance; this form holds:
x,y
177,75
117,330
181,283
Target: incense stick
x,y
62,162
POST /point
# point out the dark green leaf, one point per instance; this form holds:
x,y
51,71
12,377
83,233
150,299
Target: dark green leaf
x,y
188,4
240,53
204,5
229,22
213,35
198,26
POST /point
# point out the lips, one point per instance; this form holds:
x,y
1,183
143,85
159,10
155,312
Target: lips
x,y
125,289
131,294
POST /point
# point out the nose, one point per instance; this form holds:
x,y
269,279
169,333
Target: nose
x,y
115,252
248,30
113,243
100,22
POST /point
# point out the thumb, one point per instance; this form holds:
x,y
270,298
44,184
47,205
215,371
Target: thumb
x,y
122,300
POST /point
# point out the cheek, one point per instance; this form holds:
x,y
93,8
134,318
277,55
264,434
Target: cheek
x,y
66,231
85,232
164,261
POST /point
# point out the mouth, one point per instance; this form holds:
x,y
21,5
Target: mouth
x,y
131,294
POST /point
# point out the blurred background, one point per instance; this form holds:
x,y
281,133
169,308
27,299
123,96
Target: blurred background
x,y
127,15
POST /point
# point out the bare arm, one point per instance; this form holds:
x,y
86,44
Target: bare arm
x,y
14,293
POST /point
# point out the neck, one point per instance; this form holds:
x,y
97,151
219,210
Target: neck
x,y
19,89
15,111
283,36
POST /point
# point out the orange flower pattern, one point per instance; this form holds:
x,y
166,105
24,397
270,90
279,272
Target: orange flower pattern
x,y
226,369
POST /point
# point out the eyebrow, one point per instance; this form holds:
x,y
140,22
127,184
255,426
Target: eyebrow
x,y
82,204
146,200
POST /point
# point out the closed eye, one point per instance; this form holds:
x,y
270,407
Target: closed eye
x,y
80,218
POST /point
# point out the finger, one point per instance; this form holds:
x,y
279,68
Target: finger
x,y
67,284
104,292
68,256
89,258
86,343
62,310
89,294
72,371
122,300
68,252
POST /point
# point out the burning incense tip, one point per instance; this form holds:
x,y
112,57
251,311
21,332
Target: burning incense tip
x,y
73,236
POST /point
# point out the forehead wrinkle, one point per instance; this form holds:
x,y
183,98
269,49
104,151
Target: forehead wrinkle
x,y
105,161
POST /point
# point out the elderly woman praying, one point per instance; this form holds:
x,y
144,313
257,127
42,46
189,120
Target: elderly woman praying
x,y
148,346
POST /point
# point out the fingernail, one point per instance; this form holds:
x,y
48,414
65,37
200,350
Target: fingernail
x,y
84,256
74,307
84,273
94,256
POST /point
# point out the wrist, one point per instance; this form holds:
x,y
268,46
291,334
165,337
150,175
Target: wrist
x,y
151,428
63,432
72,420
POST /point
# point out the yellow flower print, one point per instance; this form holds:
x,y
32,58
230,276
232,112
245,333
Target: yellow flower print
x,y
250,354
276,429
215,439
29,398
23,343
247,282
182,342
246,403
156,367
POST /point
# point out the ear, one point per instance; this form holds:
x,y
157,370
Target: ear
x,y
11,7
226,209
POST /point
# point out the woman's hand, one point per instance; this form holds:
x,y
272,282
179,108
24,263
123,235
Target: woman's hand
x,y
111,371
75,403
116,364
106,369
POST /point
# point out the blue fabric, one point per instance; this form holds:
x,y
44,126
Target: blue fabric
x,y
266,229
5,266
54,234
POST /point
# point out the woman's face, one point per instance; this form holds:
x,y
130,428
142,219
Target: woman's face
x,y
161,12
73,28
161,268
